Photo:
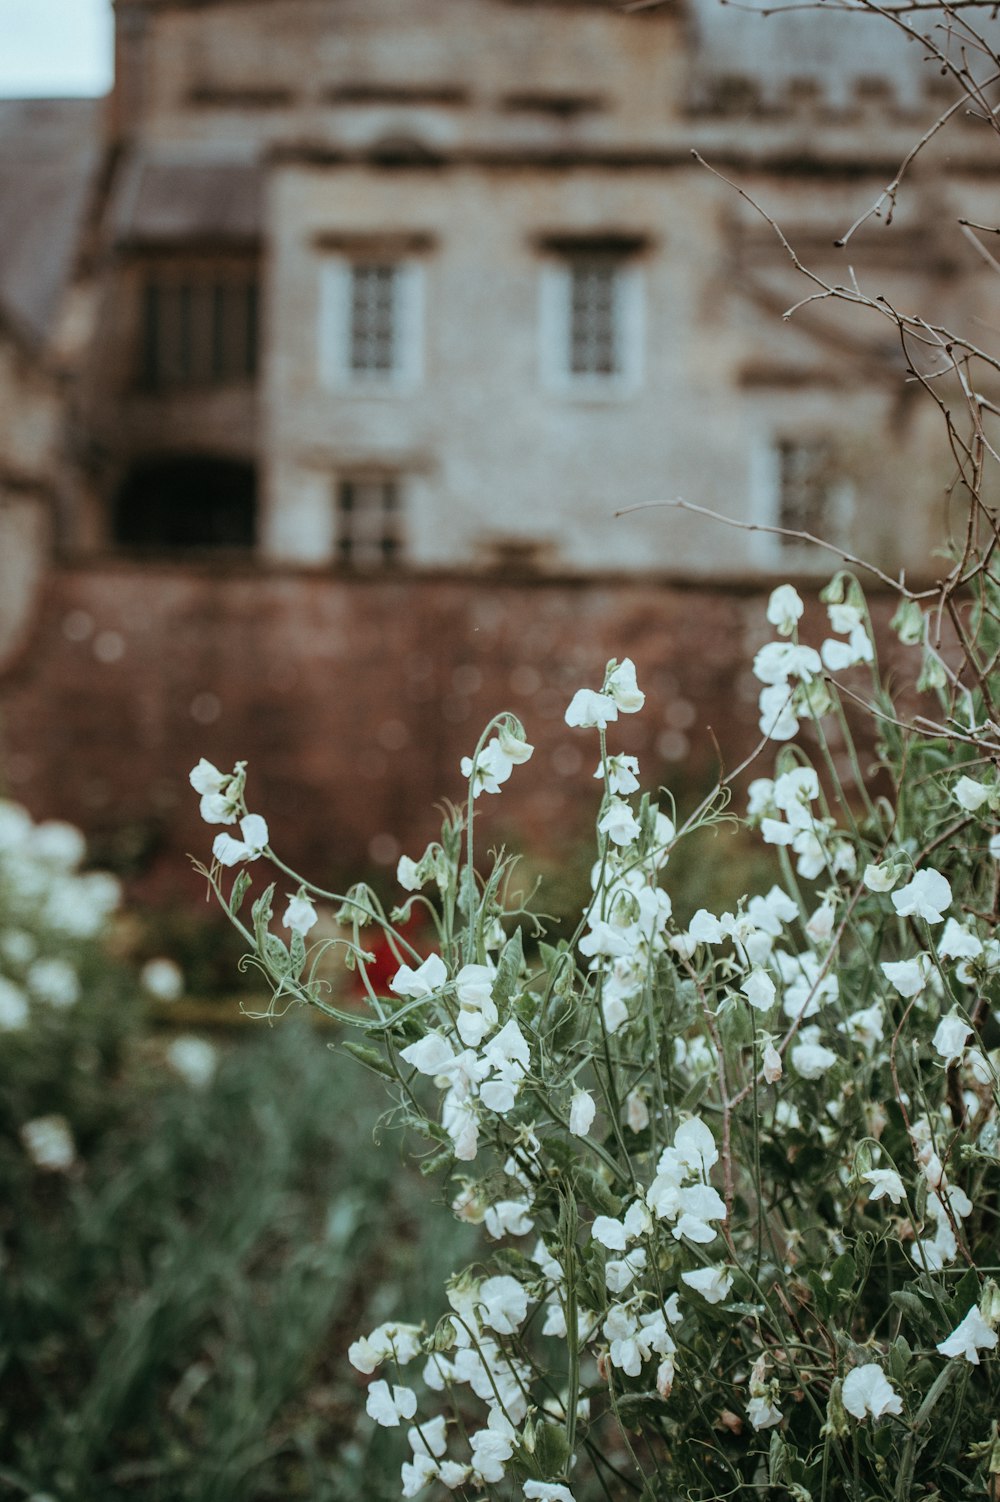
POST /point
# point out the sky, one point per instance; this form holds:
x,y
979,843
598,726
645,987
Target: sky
x,y
55,47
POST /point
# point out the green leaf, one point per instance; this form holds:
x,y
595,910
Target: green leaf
x,y
262,913
842,1275
595,1194
915,1308
298,953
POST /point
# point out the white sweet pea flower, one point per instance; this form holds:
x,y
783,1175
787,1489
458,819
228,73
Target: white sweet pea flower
x,y
591,711
408,874
957,943
431,1055
206,778
620,823
429,977
778,661
398,1341
508,1218
636,1111
759,990
620,684
492,1447
951,1037
610,1233
491,768
778,720
838,655
300,915
809,1057
430,1438
547,1491
926,896
622,774
909,977
477,1014
969,1337
581,1113
970,794
230,852
886,1184
216,808
881,878
389,1407
514,747
784,609
771,1064
867,1390
502,1304
621,1272
694,1146
713,1283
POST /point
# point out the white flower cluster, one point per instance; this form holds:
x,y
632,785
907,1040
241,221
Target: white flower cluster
x,y
792,673
49,909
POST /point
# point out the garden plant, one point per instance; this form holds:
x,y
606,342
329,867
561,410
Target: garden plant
x,y
737,1178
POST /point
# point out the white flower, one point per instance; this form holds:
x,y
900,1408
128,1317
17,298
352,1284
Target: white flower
x,y
503,1304
401,1342
838,655
590,710
868,1390
206,778
491,768
621,1272
907,976
408,874
548,1491
969,1337
516,750
957,943
778,720
619,822
194,1059
431,1055
493,1446
389,1407
809,1057
763,1413
231,852
784,609
13,1007
54,981
609,1232
582,1111
758,988
620,684
970,794
951,1037
713,1283
994,846
885,1182
778,661
622,774
429,977
430,1438
48,1141
926,896
695,1146
509,1218
477,1016
163,979
300,915
771,1064
881,878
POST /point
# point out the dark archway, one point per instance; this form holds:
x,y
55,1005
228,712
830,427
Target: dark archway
x,y
192,501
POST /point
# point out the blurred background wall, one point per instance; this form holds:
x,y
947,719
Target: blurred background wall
x,y
336,338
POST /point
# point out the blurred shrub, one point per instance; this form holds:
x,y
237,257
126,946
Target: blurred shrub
x,y
182,1229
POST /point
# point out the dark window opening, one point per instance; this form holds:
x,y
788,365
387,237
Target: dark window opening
x,y
369,523
187,503
594,317
807,486
198,329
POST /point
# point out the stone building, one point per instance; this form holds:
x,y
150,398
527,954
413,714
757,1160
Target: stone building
x,y
439,285
371,305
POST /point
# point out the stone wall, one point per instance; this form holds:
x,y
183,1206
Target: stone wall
x,y
353,701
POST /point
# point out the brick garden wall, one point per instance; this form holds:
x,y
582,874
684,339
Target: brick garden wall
x,y
353,701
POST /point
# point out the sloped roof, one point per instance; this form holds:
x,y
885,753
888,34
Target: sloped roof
x,y
49,158
164,203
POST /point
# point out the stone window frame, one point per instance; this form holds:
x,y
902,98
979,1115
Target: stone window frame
x,y
369,531
774,504
343,264
198,322
564,316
